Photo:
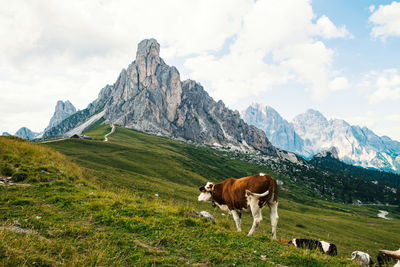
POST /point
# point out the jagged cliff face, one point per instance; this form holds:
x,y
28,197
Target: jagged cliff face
x,y
62,111
279,131
354,144
201,119
149,96
146,95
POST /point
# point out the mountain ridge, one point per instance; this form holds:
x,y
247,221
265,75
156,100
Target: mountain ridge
x,y
355,145
149,96
62,111
26,133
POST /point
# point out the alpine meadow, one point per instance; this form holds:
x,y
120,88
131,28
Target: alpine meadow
x,y
97,206
200,133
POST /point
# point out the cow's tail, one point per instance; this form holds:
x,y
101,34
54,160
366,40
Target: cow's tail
x,y
248,193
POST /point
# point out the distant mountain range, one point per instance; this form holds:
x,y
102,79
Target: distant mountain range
x,y
23,132
149,96
62,111
311,133
26,133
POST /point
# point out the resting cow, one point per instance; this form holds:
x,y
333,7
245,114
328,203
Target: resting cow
x,y
362,258
325,247
250,193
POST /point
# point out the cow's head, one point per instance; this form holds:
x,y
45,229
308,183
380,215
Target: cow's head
x,y
205,194
354,255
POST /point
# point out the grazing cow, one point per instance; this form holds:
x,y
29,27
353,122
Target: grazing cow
x,y
250,193
362,258
325,247
388,258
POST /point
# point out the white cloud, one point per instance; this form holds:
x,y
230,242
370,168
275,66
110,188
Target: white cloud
x,y
327,29
339,83
386,20
284,32
99,28
382,86
53,50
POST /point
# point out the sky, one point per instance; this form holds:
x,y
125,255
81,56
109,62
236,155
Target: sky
x,y
338,57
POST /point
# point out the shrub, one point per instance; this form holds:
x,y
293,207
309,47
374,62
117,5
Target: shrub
x,y
19,176
6,169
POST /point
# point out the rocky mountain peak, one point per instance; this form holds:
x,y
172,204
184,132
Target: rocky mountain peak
x,y
277,129
331,152
65,106
314,112
311,119
257,106
146,63
148,48
148,56
312,115
26,133
62,111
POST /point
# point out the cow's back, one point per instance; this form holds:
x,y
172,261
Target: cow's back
x,y
261,183
234,190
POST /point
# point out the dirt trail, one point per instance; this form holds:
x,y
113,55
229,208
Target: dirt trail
x,y
112,130
51,141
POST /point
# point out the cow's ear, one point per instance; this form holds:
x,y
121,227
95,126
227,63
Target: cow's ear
x,y
202,189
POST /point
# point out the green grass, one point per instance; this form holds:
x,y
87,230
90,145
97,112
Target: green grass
x,y
108,214
97,130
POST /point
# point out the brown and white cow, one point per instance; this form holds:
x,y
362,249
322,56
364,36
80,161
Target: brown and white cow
x,y
250,193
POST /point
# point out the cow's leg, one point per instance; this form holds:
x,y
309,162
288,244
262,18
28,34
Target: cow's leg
x,y
273,212
236,216
257,216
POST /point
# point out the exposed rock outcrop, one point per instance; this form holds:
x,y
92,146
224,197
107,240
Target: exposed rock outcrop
x,y
332,153
149,96
62,111
279,131
26,133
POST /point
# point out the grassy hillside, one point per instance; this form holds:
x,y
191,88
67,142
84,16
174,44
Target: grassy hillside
x,y
97,206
